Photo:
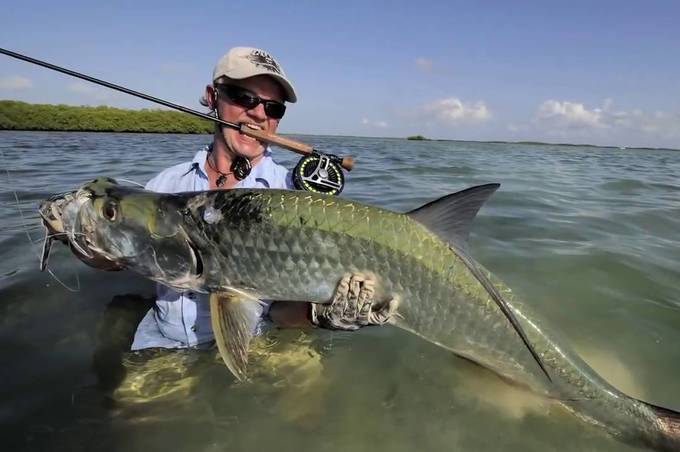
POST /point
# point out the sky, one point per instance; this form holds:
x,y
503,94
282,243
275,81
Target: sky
x,y
599,72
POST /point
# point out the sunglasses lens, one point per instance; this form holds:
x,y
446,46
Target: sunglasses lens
x,y
240,96
274,110
246,99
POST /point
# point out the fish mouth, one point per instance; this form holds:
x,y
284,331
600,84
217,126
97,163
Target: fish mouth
x,y
63,222
51,212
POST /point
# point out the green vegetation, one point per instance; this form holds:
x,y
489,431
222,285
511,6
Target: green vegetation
x,y
22,116
417,138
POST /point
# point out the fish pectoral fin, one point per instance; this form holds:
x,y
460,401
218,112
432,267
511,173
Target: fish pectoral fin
x,y
234,316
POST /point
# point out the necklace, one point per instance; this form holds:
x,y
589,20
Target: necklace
x,y
222,179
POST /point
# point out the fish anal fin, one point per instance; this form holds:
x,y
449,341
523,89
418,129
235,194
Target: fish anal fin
x,y
502,305
234,318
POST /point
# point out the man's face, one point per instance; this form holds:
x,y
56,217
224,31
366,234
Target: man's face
x,y
264,87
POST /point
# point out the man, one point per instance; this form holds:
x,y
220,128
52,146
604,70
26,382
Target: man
x,y
249,87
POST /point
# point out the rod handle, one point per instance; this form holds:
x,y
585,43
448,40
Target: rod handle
x,y
287,143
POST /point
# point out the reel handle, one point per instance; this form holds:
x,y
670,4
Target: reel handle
x,y
292,145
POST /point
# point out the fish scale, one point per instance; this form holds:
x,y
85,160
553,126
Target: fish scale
x,y
330,234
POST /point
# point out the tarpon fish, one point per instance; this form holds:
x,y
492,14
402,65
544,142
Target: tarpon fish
x,y
242,246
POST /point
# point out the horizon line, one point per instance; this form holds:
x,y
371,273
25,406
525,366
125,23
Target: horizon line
x,y
526,142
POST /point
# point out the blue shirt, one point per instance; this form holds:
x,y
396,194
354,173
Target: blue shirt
x,y
182,319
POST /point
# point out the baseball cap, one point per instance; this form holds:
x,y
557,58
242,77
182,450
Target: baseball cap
x,y
245,62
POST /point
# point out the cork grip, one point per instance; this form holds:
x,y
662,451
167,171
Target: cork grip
x,y
287,143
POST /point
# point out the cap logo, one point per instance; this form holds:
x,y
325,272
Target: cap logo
x,y
263,59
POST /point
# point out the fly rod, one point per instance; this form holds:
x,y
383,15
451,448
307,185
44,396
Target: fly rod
x,y
286,143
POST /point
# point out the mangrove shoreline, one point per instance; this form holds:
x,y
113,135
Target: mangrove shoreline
x,y
16,115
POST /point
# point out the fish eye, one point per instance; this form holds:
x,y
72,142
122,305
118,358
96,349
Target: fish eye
x,y
110,210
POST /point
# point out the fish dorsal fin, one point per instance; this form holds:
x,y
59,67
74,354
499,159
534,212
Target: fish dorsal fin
x,y
234,316
450,216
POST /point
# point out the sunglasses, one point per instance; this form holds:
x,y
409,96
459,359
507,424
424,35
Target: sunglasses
x,y
247,99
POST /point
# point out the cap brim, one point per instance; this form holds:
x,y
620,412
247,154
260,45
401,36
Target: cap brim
x,y
243,74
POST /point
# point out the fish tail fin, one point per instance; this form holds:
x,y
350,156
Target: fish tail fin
x,y
667,423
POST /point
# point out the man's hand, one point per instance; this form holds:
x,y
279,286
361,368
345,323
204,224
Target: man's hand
x,y
352,306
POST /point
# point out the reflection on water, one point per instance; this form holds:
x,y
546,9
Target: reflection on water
x,y
286,364
588,236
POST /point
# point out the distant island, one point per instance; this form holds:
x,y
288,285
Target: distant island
x,y
417,138
23,116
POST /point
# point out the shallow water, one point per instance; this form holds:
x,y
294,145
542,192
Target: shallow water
x,y
588,236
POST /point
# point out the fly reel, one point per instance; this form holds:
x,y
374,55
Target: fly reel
x,y
319,173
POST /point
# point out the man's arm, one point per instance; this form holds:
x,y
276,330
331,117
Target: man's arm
x,y
291,314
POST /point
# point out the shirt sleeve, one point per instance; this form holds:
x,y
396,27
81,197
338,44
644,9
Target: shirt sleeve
x,y
171,180
282,178
153,183
289,181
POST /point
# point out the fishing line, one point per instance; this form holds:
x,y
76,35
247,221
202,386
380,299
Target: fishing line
x,y
67,234
74,243
28,234
131,182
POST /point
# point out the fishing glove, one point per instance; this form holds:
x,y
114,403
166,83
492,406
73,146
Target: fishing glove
x,y
352,306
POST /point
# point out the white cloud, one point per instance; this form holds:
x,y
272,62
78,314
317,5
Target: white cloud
x,y
577,122
663,124
14,83
555,117
379,124
454,111
570,115
424,63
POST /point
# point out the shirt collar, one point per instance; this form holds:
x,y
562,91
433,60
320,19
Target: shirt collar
x,y
199,161
259,171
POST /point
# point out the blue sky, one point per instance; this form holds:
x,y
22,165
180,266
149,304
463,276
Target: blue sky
x,y
602,72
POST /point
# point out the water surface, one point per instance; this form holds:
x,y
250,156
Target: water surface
x,y
588,236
